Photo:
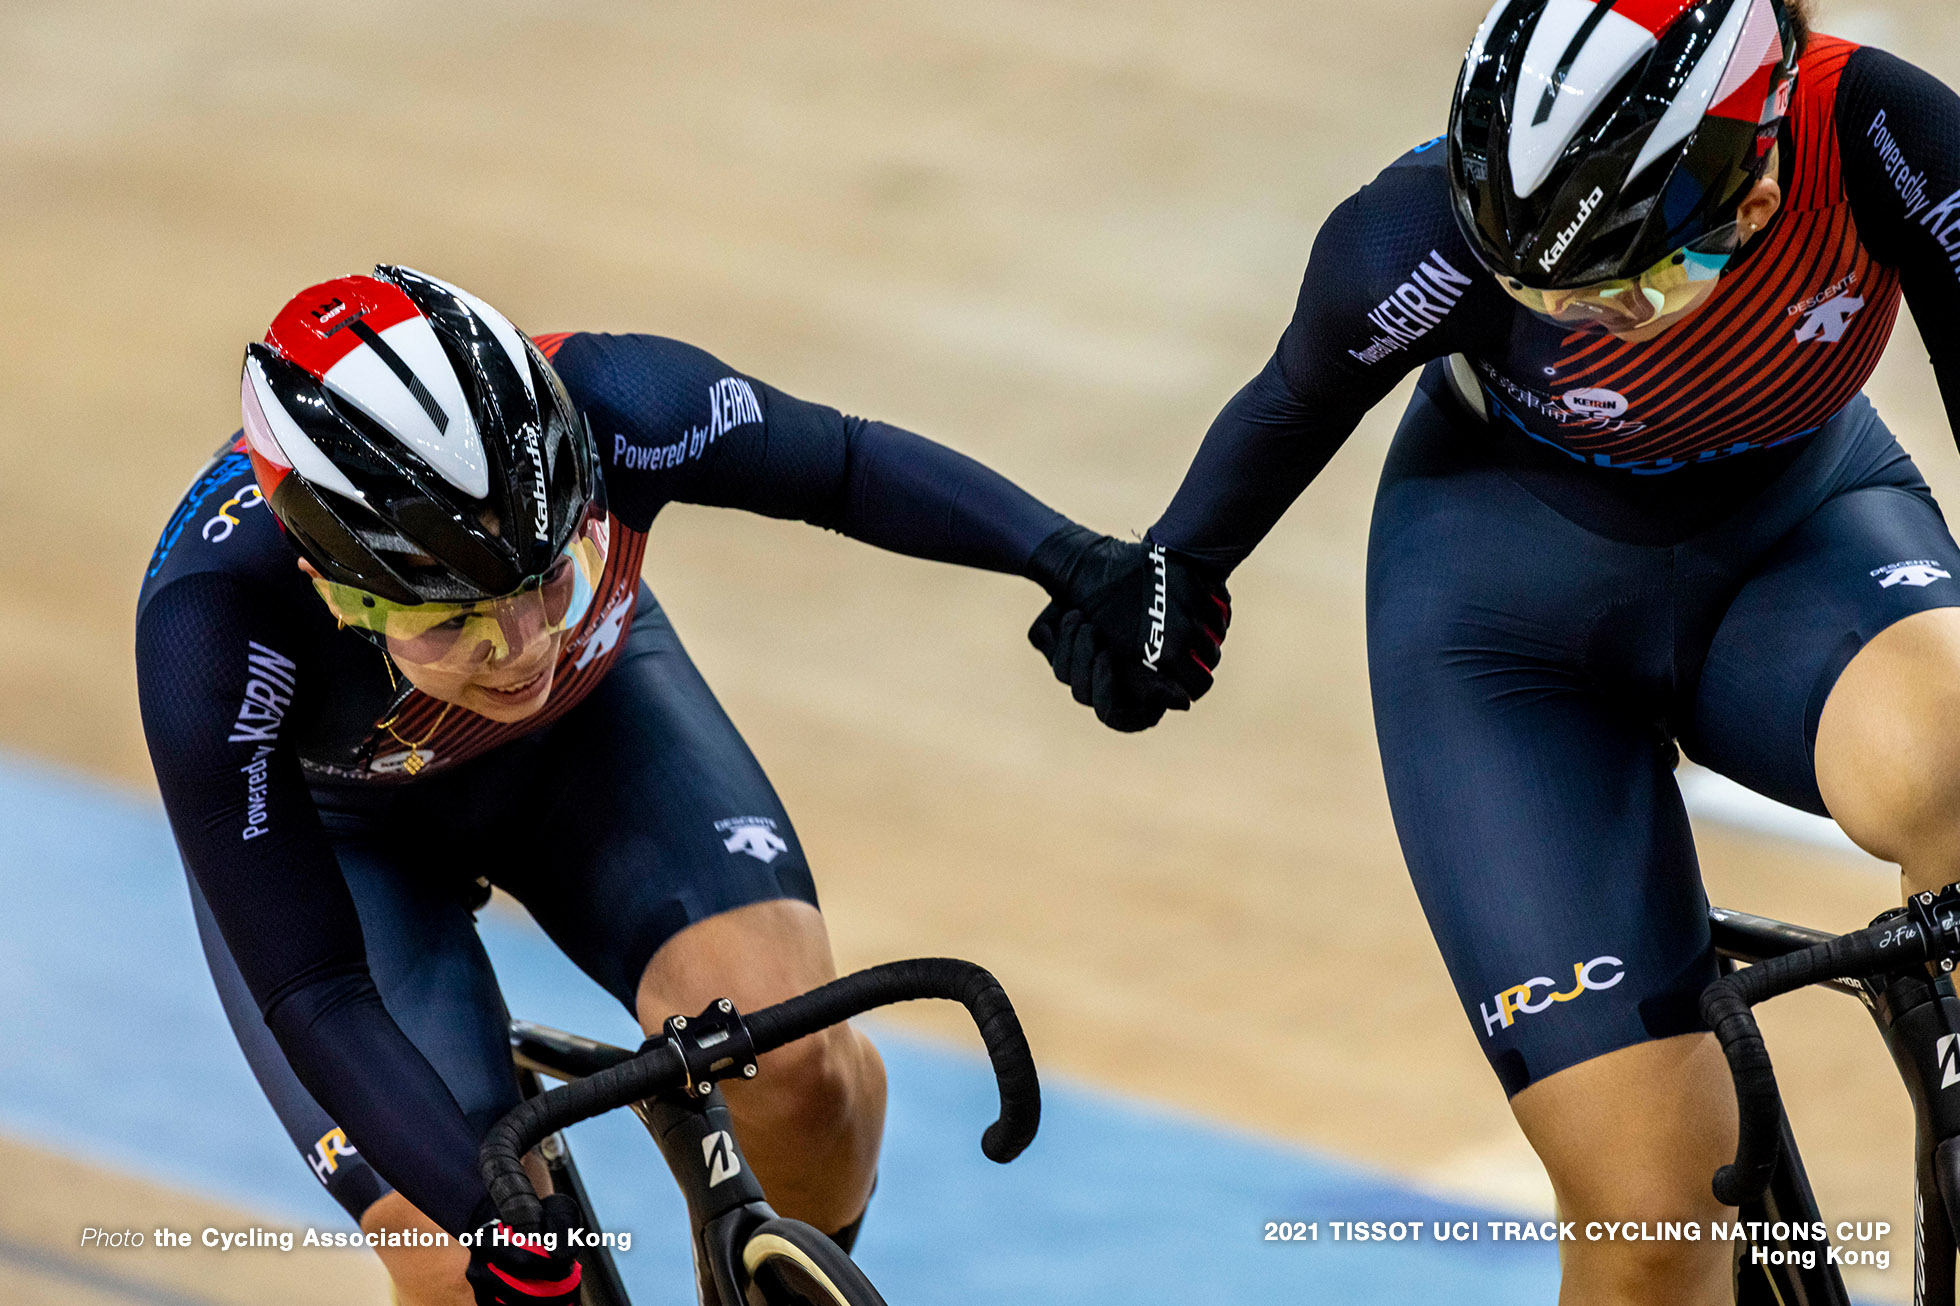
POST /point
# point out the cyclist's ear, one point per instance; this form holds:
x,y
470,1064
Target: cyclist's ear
x,y
1760,204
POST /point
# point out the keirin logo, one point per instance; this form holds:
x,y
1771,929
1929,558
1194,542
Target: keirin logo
x,y
1549,259
1517,1001
718,1154
1600,404
271,677
1153,640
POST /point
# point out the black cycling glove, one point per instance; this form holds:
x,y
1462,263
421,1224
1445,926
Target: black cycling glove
x,y
1133,629
507,1270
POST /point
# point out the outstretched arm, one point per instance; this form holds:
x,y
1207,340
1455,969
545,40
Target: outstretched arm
x,y
1137,629
675,424
1389,286
1899,135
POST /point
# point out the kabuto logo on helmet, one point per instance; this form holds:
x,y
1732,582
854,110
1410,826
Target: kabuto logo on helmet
x,y
412,442
1549,259
1664,108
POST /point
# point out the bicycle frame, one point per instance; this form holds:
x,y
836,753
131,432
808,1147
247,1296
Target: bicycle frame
x,y
724,1201
541,1050
1909,1011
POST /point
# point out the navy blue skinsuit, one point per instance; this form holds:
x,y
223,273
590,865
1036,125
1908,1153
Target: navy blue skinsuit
x,y
1585,550
332,874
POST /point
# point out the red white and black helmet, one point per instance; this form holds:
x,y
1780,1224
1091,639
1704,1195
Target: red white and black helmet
x,y
413,443
1591,139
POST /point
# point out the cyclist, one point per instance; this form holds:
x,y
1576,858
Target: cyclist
x,y
1637,499
393,648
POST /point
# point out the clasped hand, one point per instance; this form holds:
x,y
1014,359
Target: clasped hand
x,y
1134,629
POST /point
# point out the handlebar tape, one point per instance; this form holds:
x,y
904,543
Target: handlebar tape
x,y
659,1069
1725,1006
927,977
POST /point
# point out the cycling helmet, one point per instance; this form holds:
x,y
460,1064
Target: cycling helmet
x,y
1592,139
413,443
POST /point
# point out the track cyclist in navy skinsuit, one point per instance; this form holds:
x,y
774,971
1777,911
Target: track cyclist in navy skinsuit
x,y
1638,500
394,648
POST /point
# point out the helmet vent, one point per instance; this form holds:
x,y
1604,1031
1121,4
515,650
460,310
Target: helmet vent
x,y
1566,60
372,339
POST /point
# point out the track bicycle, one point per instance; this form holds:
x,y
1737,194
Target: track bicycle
x,y
1885,966
744,1253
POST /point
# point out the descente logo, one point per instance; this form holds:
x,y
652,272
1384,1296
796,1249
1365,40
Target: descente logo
x,y
1587,206
1153,641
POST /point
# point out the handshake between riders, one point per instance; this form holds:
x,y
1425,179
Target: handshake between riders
x,y
1134,630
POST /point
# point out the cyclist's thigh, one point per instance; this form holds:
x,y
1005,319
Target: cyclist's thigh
x,y
1866,558
434,979
657,816
1509,658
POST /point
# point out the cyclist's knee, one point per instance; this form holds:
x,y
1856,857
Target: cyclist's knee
x,y
1678,1273
822,1084
1636,1134
1888,747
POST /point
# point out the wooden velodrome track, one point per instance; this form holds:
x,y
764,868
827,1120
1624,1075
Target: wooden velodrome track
x,y
1054,234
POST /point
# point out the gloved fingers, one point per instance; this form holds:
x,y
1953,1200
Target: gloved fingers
x,y
1115,699
1206,646
1082,647
1221,599
1061,651
1183,672
561,1213
1042,633
1165,692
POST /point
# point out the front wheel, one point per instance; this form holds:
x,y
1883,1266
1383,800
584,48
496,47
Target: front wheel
x,y
791,1264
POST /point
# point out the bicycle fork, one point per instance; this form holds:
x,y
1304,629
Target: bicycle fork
x,y
724,1201
1920,1019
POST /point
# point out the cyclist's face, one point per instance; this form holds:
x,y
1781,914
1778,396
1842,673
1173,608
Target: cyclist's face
x,y
494,658
1640,308
498,666
1629,313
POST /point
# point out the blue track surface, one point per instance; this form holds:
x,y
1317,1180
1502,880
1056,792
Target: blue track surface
x,y
112,1048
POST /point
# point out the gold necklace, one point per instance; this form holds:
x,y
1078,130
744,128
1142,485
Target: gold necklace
x,y
413,762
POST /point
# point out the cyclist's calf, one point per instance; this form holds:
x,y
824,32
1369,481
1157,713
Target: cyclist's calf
x,y
814,1114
